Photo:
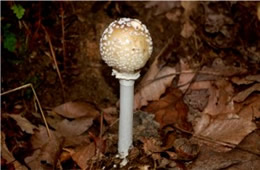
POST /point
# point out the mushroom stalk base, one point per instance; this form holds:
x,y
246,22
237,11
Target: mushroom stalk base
x,y
126,117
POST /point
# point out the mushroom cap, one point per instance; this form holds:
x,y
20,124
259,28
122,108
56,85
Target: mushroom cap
x,y
126,45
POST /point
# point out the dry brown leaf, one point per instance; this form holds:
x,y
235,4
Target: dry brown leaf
x,y
23,123
220,99
188,29
8,156
76,140
200,85
76,110
224,120
174,15
152,145
170,110
218,67
252,142
151,89
185,79
46,150
75,127
233,160
66,154
189,7
255,78
110,118
226,127
162,6
258,11
246,80
84,154
241,96
185,149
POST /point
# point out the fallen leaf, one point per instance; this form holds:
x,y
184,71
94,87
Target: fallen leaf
x,y
246,80
185,149
76,110
241,96
155,81
152,145
220,68
258,11
100,142
66,154
197,99
76,140
189,7
185,79
84,154
46,150
233,160
75,127
170,109
188,29
225,128
162,6
8,156
220,99
251,142
174,16
110,118
215,22
23,123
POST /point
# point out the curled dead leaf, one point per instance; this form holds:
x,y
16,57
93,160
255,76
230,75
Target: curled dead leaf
x,y
75,127
241,96
46,149
170,110
8,156
152,145
188,29
185,149
76,110
162,6
84,154
23,123
156,81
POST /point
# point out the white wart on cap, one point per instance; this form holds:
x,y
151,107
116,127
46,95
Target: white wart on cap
x,y
126,45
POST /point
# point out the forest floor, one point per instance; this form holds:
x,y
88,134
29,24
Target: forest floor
x,y
197,102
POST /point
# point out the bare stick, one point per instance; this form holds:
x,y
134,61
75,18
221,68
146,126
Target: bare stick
x,y
63,36
37,100
54,59
178,73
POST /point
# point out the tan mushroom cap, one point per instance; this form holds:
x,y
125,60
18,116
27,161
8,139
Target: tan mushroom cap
x,y
126,45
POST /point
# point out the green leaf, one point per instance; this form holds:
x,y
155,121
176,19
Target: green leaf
x,y
18,11
10,42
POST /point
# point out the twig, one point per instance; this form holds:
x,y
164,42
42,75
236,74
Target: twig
x,y
178,73
101,125
63,36
37,100
54,59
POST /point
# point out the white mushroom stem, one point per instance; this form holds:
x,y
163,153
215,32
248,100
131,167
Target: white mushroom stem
x,y
126,117
126,45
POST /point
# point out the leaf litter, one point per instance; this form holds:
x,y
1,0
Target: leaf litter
x,y
188,115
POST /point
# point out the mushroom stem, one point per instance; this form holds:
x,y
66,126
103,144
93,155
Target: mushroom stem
x,y
126,117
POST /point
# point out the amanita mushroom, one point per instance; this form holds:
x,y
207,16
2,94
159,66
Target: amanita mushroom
x,y
126,45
